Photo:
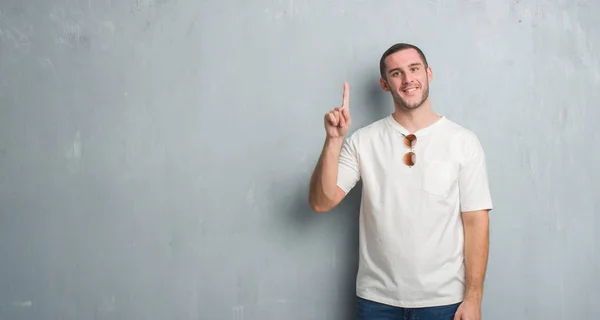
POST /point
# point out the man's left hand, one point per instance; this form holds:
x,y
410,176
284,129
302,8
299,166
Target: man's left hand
x,y
468,310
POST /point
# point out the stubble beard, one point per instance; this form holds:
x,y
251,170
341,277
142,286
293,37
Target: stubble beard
x,y
405,105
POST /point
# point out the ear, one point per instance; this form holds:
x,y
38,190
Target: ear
x,y
384,85
429,74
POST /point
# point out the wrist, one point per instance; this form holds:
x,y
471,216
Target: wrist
x,y
334,141
473,296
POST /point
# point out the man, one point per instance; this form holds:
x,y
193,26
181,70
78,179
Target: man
x,y
425,200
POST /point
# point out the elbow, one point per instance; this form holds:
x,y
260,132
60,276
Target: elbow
x,y
315,207
322,203
318,207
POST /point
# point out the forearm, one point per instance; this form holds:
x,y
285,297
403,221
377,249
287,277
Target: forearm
x,y
476,253
323,184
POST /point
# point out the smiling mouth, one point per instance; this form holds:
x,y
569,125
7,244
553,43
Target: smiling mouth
x,y
410,90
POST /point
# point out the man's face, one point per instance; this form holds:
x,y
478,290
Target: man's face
x,y
407,79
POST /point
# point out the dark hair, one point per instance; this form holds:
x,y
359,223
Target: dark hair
x,y
395,48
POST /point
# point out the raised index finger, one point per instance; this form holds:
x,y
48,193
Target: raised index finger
x,y
346,97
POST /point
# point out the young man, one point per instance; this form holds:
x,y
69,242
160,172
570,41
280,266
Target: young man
x,y
425,200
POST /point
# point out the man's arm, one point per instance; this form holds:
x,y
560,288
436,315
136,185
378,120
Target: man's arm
x,y
476,229
324,194
337,163
475,203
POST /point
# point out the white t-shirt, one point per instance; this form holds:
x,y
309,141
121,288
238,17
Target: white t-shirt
x,y
410,230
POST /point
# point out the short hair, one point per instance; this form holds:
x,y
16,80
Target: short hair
x,y
399,47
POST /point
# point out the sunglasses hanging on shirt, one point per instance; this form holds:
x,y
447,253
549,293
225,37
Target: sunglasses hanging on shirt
x,y
410,158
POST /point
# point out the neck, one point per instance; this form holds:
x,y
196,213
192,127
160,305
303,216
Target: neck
x,y
415,119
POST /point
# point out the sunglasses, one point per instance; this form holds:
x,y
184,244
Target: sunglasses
x,y
410,158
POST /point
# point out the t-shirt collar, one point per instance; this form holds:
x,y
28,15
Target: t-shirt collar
x,y
418,133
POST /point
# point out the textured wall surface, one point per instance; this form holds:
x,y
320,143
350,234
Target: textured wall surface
x,y
155,154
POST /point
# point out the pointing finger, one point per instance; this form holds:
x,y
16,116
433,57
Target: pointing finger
x,y
346,96
346,115
342,118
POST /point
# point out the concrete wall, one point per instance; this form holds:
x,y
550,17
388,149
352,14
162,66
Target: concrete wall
x,y
155,154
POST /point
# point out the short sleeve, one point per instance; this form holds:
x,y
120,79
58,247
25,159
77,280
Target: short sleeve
x,y
348,167
473,178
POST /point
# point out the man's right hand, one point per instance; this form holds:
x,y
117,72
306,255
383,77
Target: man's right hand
x,y
337,121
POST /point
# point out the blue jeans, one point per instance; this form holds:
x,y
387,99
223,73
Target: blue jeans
x,y
371,310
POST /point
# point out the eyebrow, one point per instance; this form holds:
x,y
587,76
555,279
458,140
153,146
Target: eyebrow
x,y
410,65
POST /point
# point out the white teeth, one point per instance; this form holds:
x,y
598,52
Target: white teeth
x,y
410,90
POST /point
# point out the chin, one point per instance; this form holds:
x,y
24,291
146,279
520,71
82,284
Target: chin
x,y
410,105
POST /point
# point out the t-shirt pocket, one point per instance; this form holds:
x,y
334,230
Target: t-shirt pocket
x,y
439,177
